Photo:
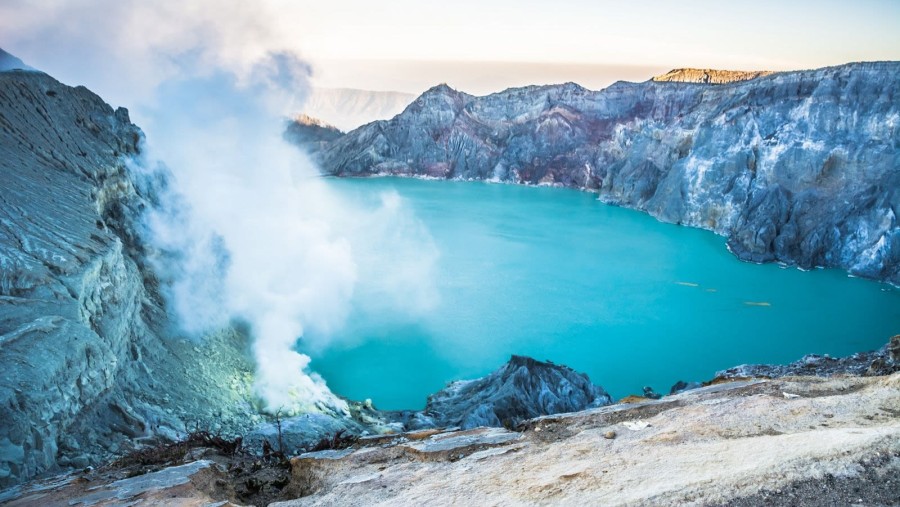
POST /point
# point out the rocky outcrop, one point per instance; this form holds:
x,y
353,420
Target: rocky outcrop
x,y
829,438
710,76
521,389
88,370
310,133
883,361
796,167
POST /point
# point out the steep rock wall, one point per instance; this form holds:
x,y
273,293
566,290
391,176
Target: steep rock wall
x,y
86,370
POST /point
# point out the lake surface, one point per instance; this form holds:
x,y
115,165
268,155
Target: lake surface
x,y
555,274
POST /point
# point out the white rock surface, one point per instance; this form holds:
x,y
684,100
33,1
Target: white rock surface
x,y
707,446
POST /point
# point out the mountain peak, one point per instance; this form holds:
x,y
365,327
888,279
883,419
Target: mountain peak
x,y
443,88
521,389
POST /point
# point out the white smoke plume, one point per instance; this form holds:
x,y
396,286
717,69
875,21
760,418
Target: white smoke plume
x,y
248,231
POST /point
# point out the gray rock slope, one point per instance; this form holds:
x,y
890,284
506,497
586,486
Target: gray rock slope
x,y
521,389
884,361
86,370
797,167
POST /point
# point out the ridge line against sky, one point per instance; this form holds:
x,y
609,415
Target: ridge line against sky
x,y
475,46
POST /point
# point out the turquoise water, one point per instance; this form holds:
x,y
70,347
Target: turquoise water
x,y
554,274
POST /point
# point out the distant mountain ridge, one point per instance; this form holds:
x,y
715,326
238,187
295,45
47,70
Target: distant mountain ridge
x,y
348,108
798,167
710,76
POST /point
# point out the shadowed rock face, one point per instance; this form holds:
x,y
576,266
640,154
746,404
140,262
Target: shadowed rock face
x,y
796,167
86,372
522,389
70,296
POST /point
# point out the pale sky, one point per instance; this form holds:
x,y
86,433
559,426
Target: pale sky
x,y
478,46
583,40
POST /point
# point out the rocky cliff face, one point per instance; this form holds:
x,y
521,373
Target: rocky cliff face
x,y
797,167
87,371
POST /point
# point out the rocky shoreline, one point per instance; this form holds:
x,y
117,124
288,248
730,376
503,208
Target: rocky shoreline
x,y
525,388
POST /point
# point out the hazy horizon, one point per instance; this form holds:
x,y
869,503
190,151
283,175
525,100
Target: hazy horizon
x,y
473,77
122,50
469,77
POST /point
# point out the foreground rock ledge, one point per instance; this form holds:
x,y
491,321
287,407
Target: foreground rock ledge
x,y
789,441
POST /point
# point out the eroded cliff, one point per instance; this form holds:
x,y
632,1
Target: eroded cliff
x,y
797,167
88,369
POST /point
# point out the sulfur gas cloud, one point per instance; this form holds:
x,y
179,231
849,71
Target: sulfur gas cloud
x,y
246,229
